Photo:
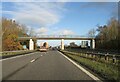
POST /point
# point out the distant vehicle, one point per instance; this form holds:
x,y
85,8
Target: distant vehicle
x,y
43,49
54,48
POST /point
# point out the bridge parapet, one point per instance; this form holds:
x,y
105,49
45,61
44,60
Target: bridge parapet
x,y
63,36
60,37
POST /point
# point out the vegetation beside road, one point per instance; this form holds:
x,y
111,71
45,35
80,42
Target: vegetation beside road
x,y
108,36
15,53
11,30
104,70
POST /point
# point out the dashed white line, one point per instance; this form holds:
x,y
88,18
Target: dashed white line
x,y
32,60
81,68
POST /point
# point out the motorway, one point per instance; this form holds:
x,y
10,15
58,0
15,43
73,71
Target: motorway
x,y
49,65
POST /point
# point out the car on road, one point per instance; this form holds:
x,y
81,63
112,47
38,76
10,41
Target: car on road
x,y
43,49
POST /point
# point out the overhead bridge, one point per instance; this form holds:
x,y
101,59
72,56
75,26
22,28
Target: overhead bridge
x,y
58,37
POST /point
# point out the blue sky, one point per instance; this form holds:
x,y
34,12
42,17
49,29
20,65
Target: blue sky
x,y
83,16
66,18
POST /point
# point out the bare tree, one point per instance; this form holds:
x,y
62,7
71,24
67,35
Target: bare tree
x,y
107,37
32,32
92,32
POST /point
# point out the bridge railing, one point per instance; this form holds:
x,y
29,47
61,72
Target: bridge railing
x,y
59,36
62,36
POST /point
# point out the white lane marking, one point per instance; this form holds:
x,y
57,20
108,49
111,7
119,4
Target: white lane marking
x,y
32,60
16,56
81,68
41,55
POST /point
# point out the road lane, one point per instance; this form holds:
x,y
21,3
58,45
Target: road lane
x,y
46,66
10,65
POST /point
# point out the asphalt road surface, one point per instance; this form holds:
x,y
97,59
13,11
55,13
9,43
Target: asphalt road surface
x,y
49,65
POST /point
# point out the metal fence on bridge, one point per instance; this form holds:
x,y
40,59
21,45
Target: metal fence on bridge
x,y
58,36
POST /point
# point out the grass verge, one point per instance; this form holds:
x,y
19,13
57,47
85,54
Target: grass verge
x,y
11,54
106,71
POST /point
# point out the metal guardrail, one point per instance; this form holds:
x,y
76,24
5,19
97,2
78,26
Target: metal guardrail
x,y
97,56
6,54
14,51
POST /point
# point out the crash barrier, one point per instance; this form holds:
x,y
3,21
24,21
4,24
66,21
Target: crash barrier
x,y
6,54
102,57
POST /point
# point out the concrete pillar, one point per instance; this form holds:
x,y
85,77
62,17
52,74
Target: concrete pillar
x,y
41,44
31,45
92,44
62,44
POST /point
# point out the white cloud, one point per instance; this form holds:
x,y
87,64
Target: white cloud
x,y
67,32
37,31
41,30
34,13
53,31
64,32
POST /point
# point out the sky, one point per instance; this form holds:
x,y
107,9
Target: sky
x,y
60,18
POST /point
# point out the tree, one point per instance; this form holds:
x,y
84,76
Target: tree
x,y
91,33
31,32
11,30
11,43
108,37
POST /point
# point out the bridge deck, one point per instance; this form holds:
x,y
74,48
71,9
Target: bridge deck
x,y
58,37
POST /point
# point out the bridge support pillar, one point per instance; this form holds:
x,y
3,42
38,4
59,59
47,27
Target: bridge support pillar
x,y
62,44
31,45
92,44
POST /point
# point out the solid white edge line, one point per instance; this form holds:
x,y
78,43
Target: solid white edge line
x,y
16,57
81,68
